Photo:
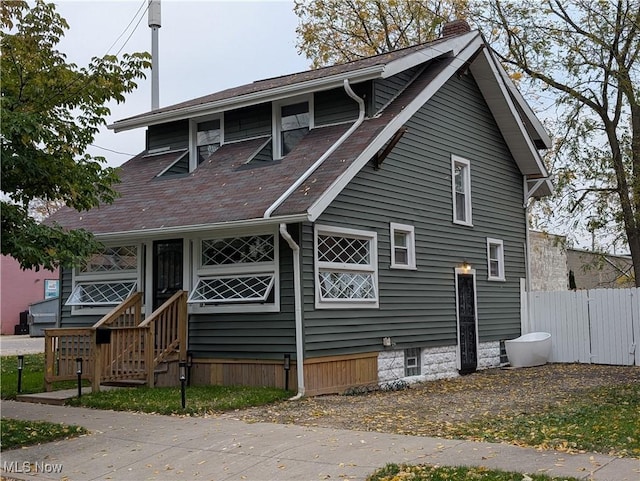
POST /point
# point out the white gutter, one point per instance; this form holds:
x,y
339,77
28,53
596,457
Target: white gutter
x,y
324,156
323,83
170,231
297,286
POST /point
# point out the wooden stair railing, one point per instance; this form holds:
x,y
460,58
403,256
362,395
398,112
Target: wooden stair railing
x,y
64,345
167,332
134,349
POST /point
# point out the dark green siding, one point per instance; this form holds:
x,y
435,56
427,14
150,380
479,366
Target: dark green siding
x,y
335,106
174,135
386,89
267,335
414,187
247,122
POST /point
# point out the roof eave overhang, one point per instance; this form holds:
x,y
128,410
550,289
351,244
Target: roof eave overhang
x,y
236,226
270,95
487,73
449,47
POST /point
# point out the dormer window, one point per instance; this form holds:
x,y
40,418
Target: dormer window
x,y
291,123
206,138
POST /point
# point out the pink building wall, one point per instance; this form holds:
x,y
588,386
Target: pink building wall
x,y
18,289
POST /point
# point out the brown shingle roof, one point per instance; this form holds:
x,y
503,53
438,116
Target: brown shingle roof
x,y
224,188
295,78
221,189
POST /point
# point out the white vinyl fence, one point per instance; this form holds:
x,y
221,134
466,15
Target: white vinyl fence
x,y
599,326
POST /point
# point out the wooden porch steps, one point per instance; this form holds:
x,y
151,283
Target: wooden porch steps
x,y
125,383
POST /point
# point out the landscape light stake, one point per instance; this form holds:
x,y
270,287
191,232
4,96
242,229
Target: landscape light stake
x,y
79,373
189,365
183,381
20,367
287,367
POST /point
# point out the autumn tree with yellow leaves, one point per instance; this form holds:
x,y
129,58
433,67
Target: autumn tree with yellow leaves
x,y
577,61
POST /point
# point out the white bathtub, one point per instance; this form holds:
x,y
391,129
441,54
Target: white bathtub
x,y
531,349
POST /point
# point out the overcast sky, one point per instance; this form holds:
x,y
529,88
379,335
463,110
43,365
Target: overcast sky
x,y
205,46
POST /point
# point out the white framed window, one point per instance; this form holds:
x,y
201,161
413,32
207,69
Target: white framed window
x,y
292,120
105,280
236,274
346,268
461,190
205,137
403,246
495,260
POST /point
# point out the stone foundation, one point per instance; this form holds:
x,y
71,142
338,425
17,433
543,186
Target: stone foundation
x,y
435,363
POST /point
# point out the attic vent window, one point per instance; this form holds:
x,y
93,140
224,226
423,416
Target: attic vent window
x,y
295,125
291,122
207,139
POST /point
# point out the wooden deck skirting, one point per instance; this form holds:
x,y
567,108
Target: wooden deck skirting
x,y
336,374
323,375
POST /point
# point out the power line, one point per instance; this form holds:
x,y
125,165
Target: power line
x,y
127,27
111,150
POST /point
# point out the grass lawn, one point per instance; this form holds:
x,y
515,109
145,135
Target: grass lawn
x,y
605,420
393,472
167,400
18,434
32,375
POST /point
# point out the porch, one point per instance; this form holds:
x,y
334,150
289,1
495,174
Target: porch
x,y
123,346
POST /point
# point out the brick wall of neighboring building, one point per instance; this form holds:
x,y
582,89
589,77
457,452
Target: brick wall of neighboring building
x,y
596,271
18,289
549,268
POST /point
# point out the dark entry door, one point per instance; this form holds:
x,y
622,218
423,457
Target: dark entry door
x,y
467,319
167,270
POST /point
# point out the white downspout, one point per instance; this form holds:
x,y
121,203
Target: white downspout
x,y
295,248
526,325
324,156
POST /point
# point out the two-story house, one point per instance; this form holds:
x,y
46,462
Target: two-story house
x,y
366,221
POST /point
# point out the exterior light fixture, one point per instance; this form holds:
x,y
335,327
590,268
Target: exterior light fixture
x,y
20,367
466,267
79,373
182,373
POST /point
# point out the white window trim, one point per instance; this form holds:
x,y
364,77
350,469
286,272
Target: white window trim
x,y
276,112
199,271
411,245
371,268
106,277
501,275
455,160
193,137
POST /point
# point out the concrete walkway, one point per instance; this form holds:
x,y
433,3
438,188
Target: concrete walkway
x,y
129,446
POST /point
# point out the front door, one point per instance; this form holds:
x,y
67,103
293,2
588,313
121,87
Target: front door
x,y
167,270
467,323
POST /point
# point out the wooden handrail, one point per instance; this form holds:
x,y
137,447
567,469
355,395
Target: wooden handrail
x,y
134,302
160,310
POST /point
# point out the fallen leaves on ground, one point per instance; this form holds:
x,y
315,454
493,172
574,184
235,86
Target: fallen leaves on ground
x,y
475,406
